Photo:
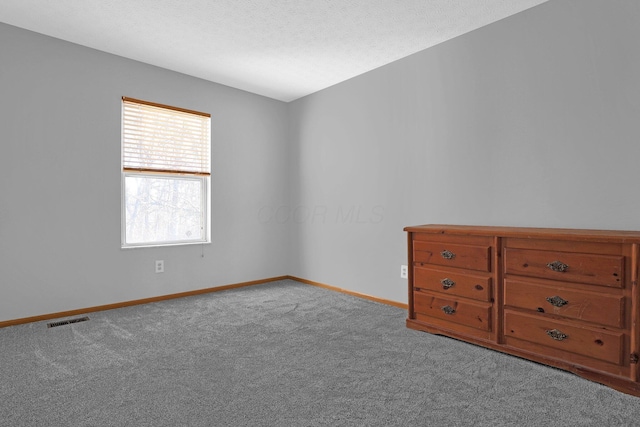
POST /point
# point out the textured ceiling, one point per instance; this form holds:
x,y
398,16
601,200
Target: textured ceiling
x,y
283,49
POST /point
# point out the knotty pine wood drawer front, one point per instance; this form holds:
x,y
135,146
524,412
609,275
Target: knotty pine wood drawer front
x,y
452,255
595,269
455,310
549,334
452,282
567,301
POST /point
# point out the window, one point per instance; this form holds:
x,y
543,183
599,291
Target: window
x,y
165,174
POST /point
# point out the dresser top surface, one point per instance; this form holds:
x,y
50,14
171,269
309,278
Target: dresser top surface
x,y
529,232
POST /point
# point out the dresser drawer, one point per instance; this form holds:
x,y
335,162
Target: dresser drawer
x,y
550,334
595,307
452,255
603,270
474,315
453,283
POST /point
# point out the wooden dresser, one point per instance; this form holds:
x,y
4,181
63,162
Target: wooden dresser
x,y
563,297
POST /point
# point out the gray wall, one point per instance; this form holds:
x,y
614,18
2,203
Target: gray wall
x,y
60,180
531,121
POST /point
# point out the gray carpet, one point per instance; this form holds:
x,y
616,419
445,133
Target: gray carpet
x,y
279,354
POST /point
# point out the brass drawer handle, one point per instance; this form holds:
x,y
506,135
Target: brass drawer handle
x,y
447,283
447,254
556,301
557,335
558,266
448,309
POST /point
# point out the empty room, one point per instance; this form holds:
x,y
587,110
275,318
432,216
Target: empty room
x,y
319,213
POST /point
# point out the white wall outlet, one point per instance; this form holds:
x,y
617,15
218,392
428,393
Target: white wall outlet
x,y
404,272
159,266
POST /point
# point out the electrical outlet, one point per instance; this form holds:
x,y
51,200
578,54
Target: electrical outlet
x,y
159,266
404,272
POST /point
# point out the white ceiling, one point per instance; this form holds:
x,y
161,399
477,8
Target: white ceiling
x,y
282,49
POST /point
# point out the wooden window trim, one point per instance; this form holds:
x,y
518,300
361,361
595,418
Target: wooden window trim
x,y
168,107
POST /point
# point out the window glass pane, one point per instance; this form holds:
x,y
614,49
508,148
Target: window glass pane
x,y
163,209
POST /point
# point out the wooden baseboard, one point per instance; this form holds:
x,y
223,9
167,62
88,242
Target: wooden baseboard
x,y
356,294
136,302
60,314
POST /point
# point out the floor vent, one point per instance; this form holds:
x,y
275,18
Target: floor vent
x,y
67,322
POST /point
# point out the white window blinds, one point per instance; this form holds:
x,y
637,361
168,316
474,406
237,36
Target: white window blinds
x,y
159,138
